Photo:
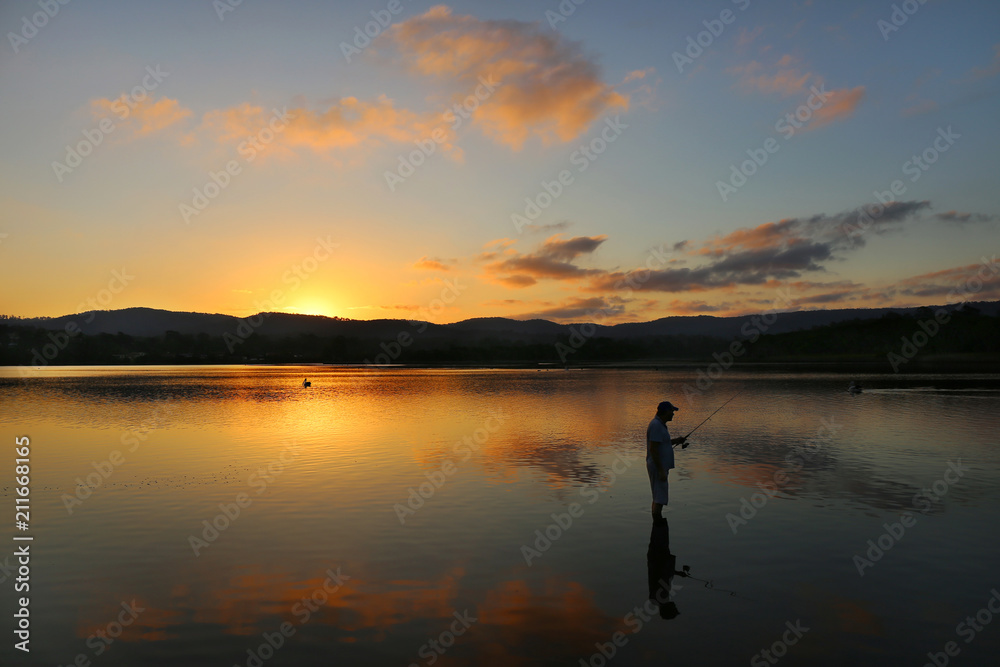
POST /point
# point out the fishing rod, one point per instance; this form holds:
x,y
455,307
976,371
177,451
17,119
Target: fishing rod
x,y
713,414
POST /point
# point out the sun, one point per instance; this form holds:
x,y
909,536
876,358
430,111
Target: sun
x,y
313,307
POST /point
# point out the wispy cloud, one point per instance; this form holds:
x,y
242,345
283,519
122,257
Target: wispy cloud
x,y
431,264
547,86
962,218
786,78
348,124
140,118
992,69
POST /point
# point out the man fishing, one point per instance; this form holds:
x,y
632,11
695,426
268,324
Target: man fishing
x,y
660,451
660,455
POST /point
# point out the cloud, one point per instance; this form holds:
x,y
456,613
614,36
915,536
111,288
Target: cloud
x,y
958,283
678,307
839,104
550,227
349,123
638,74
962,218
921,107
576,308
431,264
838,297
784,78
140,117
553,260
787,79
990,70
568,249
758,255
547,87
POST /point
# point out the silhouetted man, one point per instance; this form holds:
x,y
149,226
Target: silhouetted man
x,y
660,455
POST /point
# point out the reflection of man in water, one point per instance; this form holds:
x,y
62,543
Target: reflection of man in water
x,y
660,565
660,455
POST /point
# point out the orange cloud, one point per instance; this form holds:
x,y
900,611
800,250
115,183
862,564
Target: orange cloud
x,y
839,104
142,117
638,74
350,123
431,264
762,236
787,79
533,82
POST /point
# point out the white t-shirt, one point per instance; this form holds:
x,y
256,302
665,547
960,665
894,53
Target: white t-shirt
x,y
657,432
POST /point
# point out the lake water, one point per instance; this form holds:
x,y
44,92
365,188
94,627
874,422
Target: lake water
x,y
501,517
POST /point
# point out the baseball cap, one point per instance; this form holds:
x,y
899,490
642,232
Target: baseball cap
x,y
666,405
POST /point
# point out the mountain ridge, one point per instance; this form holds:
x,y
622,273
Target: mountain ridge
x,y
142,321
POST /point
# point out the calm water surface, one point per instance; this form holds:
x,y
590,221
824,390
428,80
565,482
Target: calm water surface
x,y
400,517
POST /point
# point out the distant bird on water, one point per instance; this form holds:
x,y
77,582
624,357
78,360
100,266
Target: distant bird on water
x,y
306,383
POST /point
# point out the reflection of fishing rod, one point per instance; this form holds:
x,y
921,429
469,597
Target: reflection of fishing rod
x,y
712,415
708,583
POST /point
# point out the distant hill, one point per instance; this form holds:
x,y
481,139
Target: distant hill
x,y
154,322
145,335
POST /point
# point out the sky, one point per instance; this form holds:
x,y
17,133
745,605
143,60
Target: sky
x,y
580,160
